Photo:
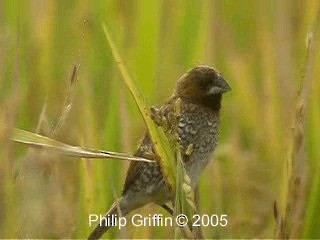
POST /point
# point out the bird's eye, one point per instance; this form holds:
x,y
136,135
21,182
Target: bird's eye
x,y
204,82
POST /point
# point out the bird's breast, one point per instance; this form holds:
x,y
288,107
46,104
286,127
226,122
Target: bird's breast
x,y
198,127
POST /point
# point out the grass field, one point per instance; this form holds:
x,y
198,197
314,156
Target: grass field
x,y
266,170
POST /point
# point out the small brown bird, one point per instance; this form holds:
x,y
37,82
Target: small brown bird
x,y
200,91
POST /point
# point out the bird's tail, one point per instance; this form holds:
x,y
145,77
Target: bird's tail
x,y
105,223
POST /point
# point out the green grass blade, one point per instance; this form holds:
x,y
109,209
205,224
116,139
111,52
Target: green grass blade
x,y
160,141
312,219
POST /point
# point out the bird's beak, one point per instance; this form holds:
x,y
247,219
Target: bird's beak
x,y
222,87
227,88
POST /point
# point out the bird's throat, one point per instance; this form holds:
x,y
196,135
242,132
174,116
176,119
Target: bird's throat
x,y
212,101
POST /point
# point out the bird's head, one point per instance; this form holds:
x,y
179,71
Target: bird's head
x,y
202,85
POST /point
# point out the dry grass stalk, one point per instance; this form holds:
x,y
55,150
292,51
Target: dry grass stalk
x,y
296,162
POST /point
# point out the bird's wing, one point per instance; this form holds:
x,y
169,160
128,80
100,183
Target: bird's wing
x,y
145,149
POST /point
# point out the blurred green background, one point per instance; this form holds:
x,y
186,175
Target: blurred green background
x,y
260,48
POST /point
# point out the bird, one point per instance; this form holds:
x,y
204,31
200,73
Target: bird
x,y
200,92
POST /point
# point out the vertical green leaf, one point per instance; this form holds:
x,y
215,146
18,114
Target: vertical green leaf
x,y
160,141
